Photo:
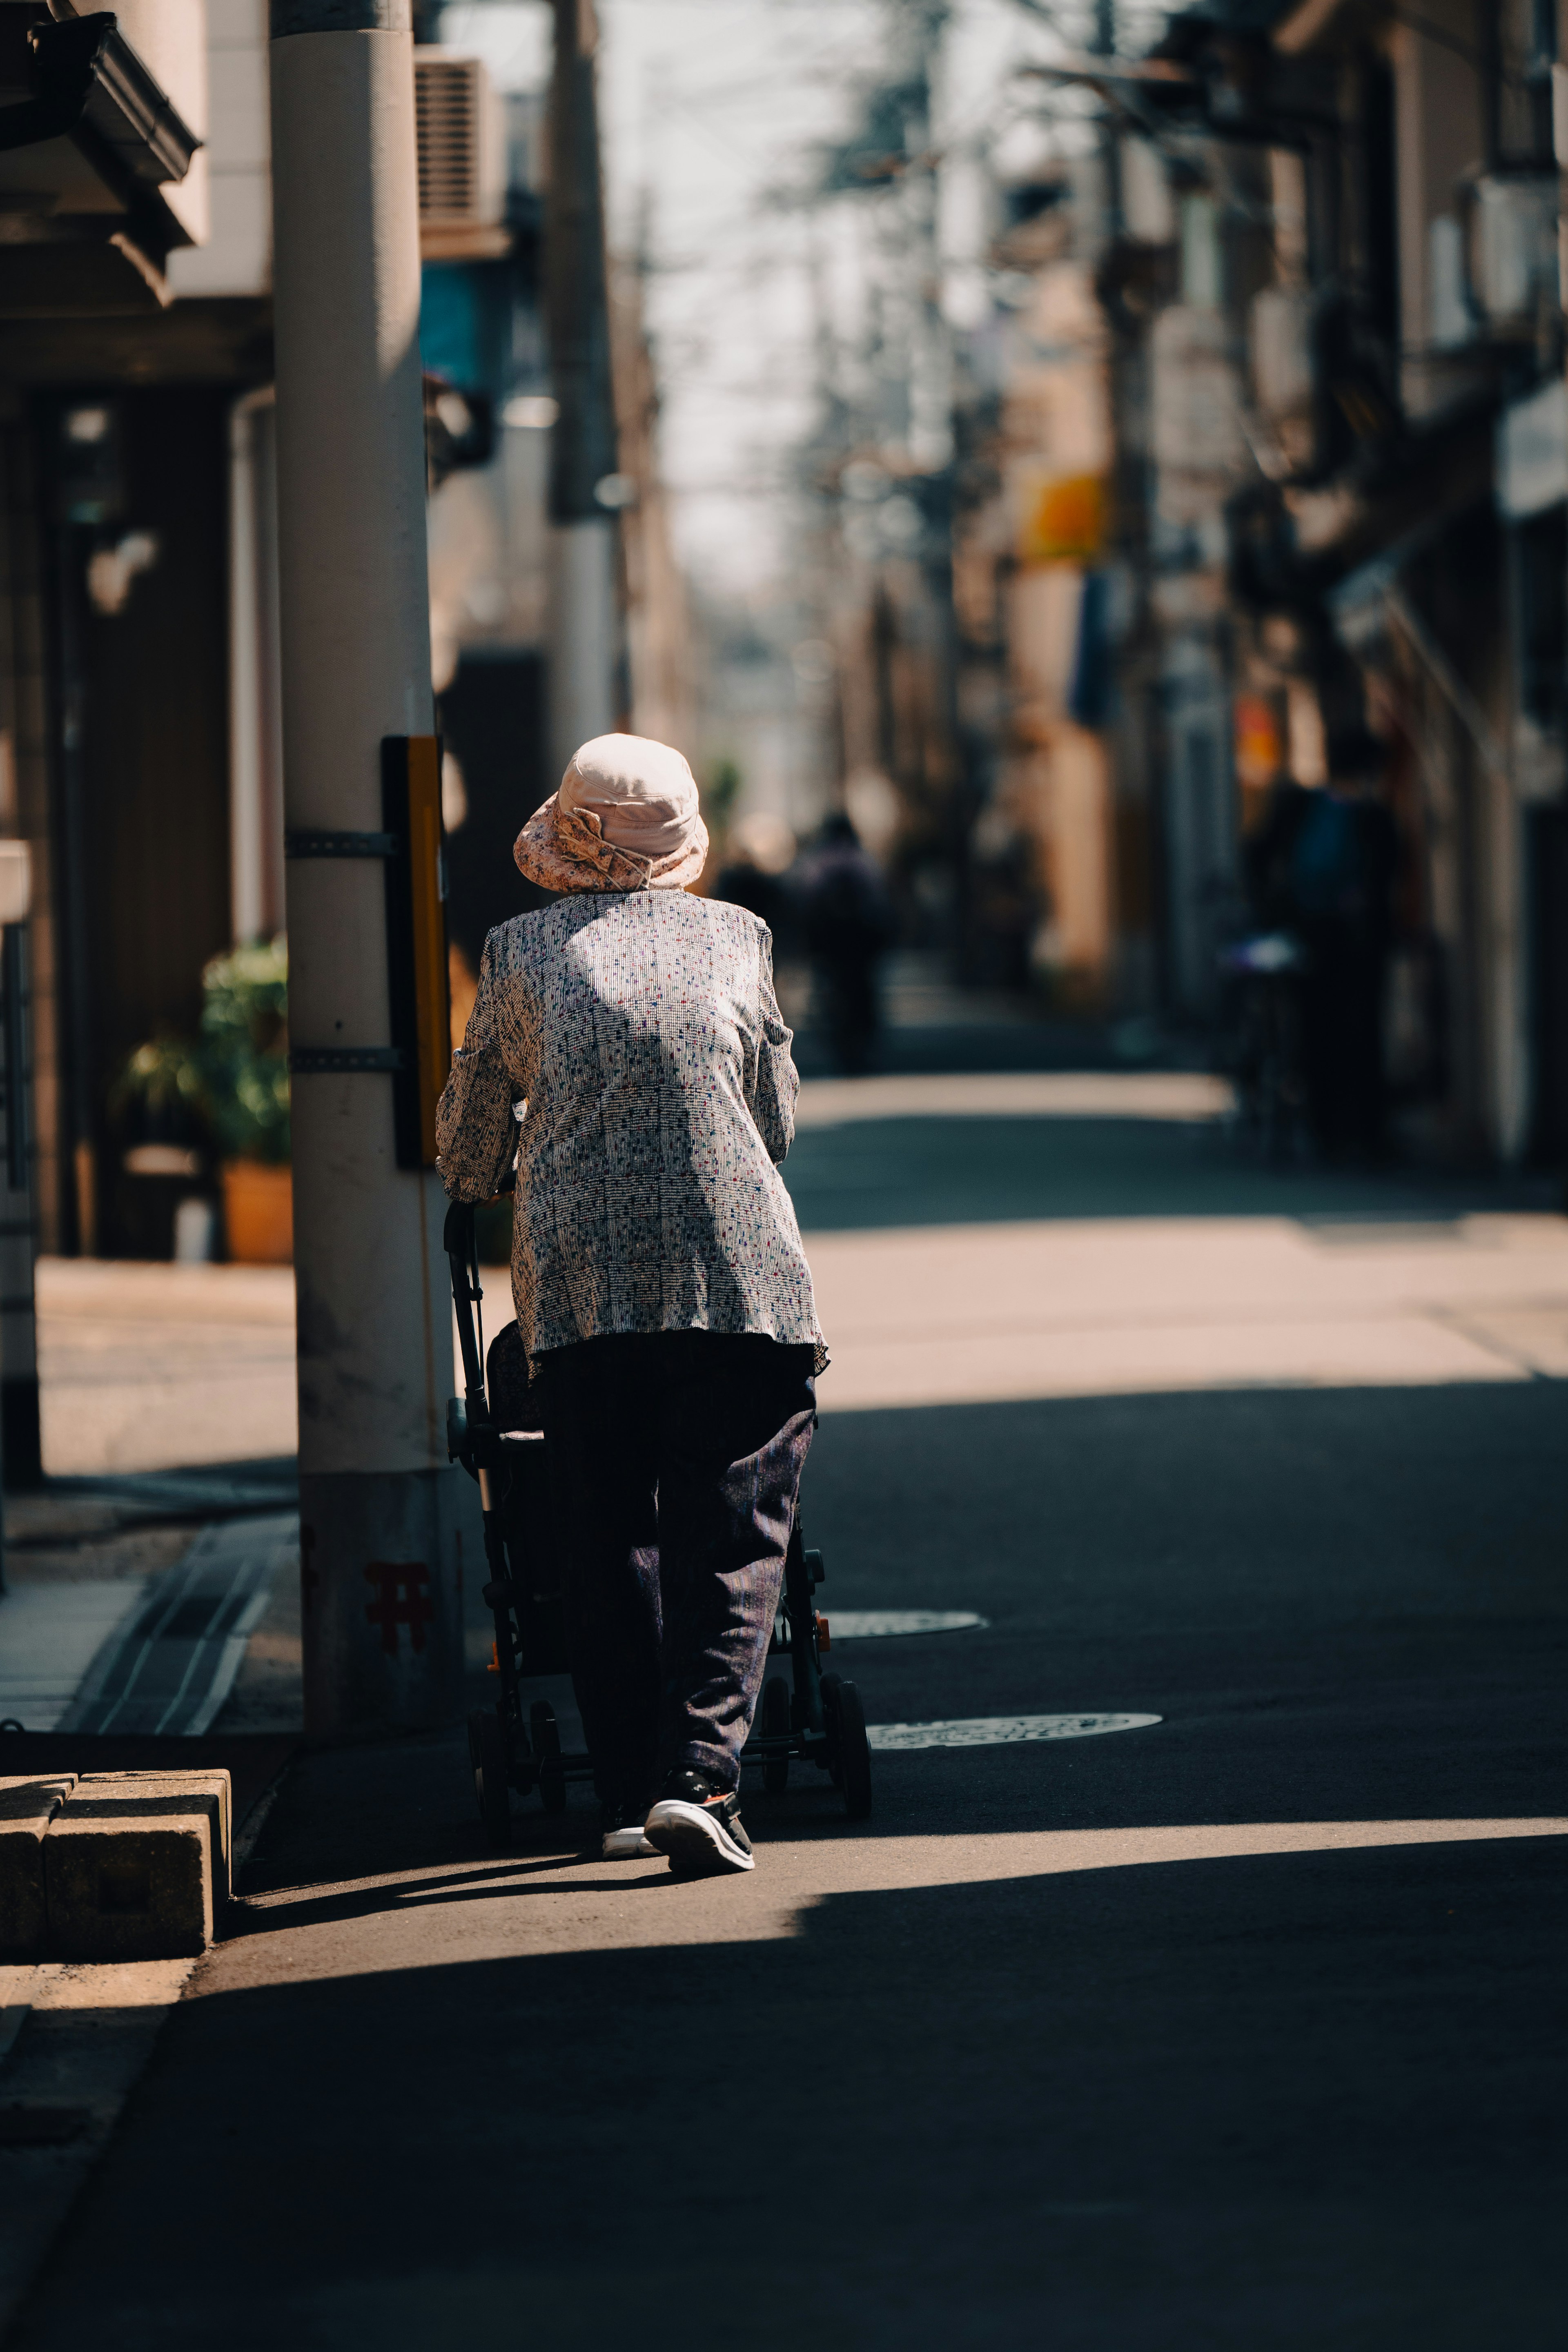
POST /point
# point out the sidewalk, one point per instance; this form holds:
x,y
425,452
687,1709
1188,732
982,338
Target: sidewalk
x,y
146,1605
133,1603
1185,2038
930,1024
1187,2035
138,1577
148,1367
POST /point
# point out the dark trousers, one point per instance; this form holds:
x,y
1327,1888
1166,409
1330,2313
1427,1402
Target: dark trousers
x,y
675,1461
1341,1036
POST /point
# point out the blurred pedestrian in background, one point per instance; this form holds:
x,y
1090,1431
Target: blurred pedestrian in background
x,y
760,849
848,926
1322,864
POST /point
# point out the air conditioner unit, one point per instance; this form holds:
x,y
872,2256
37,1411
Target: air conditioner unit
x,y
1148,209
1513,248
461,128
1281,333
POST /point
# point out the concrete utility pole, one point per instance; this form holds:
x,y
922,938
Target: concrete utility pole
x,y
383,1620
582,648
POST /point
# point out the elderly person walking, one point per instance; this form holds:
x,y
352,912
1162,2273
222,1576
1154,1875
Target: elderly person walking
x,y
662,1293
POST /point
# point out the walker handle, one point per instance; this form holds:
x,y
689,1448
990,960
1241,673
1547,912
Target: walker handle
x,y
457,1240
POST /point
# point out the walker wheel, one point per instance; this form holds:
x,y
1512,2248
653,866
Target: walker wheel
x,y
854,1751
830,1686
544,1733
775,1726
487,1753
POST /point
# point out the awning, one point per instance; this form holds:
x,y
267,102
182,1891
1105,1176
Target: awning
x,y
83,159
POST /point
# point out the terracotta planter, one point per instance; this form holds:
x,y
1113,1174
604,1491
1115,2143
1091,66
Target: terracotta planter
x,y
258,1213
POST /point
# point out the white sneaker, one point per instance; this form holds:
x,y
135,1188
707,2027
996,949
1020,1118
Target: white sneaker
x,y
699,1826
621,1840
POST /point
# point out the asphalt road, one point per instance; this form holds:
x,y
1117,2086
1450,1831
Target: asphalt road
x,y
1239,2031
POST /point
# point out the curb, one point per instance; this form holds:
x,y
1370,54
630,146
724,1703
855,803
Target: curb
x,y
109,1866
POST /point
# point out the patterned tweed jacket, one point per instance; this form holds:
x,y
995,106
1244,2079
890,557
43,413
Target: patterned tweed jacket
x,y
639,1036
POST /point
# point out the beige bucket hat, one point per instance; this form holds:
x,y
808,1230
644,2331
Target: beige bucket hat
x,y
626,818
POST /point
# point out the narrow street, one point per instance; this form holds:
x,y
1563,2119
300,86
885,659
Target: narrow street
x,y
1238,2027
548,547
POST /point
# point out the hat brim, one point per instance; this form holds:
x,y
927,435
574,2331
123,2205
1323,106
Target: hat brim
x,y
562,851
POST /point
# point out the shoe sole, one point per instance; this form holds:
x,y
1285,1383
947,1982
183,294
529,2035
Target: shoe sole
x,y
695,1839
626,1845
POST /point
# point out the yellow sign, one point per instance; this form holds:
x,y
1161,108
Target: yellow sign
x,y
1064,520
415,941
1258,751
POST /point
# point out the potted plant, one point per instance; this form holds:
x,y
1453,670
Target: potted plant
x,y
243,1061
159,1106
224,1098
157,1115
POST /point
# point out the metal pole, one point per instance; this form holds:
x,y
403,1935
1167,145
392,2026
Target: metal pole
x,y
383,1619
75,938
21,1452
583,445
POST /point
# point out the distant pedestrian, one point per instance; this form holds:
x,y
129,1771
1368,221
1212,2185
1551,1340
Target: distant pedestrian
x,y
663,1296
760,849
1322,864
849,929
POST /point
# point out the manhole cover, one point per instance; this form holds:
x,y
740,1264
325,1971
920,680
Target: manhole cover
x,y
1002,1731
859,1624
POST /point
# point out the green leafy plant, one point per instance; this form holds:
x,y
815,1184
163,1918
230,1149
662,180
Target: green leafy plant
x,y
158,1096
230,1088
721,790
244,1051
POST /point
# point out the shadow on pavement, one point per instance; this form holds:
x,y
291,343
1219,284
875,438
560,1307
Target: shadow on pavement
x,y
1291,2102
252,1760
952,1170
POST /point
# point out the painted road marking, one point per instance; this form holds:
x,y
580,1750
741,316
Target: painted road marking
x,y
50,1633
172,1671
1183,1095
860,1625
1002,1731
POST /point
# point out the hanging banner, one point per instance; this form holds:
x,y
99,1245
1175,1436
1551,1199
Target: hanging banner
x,y
1063,520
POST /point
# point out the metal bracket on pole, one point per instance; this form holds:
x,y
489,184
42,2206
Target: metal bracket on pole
x,y
340,845
411,847
314,1061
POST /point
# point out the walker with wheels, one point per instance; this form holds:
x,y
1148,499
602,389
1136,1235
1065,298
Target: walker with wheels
x,y
803,1717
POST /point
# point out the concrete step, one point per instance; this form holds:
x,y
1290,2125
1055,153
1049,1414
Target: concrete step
x,y
124,1791
114,1866
27,1806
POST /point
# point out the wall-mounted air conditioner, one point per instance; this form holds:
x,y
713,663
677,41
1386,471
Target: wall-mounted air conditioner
x,y
1513,248
1281,336
1148,208
461,127
1284,377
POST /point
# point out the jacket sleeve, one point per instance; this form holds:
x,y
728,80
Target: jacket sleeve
x,y
475,1134
777,1082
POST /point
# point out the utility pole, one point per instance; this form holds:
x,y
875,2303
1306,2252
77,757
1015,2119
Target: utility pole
x,y
930,441
582,648
1104,44
383,1620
